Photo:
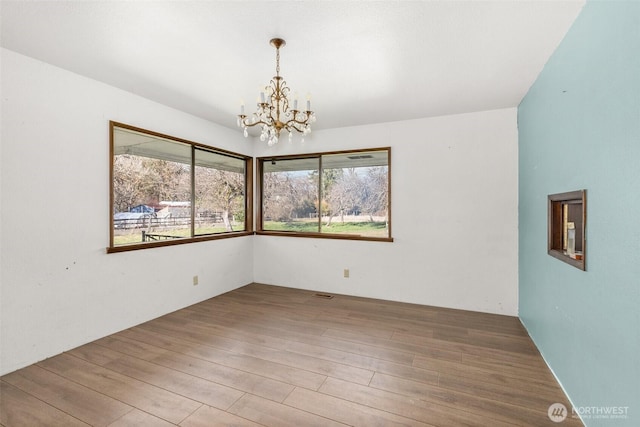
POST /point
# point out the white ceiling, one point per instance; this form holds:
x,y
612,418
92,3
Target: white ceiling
x,y
362,62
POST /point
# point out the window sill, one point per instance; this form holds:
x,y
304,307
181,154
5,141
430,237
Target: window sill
x,y
324,236
578,263
135,247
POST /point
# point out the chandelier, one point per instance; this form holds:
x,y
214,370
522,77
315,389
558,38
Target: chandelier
x,y
273,114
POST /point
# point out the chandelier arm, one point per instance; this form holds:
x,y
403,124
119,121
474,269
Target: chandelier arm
x,y
300,122
249,125
294,126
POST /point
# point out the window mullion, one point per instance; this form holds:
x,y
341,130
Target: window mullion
x,y
320,195
193,191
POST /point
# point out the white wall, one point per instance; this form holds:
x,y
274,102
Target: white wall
x,y
59,288
454,218
454,184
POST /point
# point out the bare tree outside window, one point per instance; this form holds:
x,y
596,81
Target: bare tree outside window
x,y
344,193
219,193
165,189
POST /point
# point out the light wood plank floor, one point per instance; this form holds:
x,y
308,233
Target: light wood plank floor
x,y
271,356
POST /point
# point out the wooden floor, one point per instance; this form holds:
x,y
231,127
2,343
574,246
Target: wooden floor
x,y
271,356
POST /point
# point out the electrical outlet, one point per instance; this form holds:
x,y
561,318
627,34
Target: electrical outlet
x,y
195,280
346,273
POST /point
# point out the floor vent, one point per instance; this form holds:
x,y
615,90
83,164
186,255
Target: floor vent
x,y
325,296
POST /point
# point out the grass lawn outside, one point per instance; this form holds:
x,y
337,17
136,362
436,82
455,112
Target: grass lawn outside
x,y
356,228
135,236
359,228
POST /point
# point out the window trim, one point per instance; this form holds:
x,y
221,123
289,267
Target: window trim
x,y
318,235
248,202
555,226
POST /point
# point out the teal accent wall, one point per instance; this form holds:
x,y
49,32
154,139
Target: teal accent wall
x,y
579,127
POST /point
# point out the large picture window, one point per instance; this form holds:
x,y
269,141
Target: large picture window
x,y
335,195
165,190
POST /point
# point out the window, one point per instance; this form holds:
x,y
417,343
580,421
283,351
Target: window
x,y
166,190
566,227
335,195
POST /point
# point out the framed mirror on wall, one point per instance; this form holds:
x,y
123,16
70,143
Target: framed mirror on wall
x,y
567,219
